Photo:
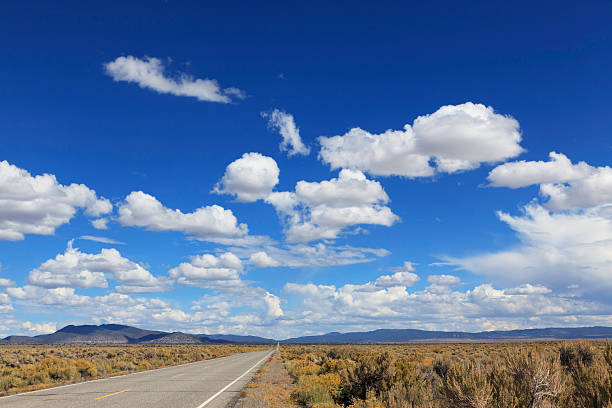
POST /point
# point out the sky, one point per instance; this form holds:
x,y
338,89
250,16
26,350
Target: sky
x,y
282,169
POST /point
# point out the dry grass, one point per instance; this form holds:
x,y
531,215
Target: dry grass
x,y
271,387
27,368
512,375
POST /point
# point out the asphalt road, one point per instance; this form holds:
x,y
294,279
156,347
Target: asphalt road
x,y
211,384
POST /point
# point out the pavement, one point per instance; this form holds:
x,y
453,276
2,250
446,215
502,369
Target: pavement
x,y
210,383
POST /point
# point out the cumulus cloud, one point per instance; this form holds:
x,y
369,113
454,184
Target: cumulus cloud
x,y
397,279
557,250
40,328
144,210
58,297
322,210
441,283
5,281
5,303
149,73
590,191
262,260
443,280
233,310
484,307
285,124
403,276
455,138
526,173
76,269
250,178
100,223
567,186
209,271
273,305
39,204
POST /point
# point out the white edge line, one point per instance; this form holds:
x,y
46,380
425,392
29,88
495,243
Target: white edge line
x,y
118,376
234,382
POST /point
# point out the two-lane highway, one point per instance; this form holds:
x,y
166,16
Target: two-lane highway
x,y
209,383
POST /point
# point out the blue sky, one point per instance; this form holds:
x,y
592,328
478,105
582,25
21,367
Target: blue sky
x,y
281,170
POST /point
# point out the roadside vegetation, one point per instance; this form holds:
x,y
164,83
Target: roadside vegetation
x,y
26,368
271,387
510,375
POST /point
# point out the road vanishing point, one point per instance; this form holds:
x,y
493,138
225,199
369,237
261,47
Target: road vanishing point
x,y
210,383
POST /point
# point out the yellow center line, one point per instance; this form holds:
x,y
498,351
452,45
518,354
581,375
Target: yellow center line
x,y
178,375
114,393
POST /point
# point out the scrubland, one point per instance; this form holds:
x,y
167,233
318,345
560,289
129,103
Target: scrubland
x,y
270,387
538,374
26,368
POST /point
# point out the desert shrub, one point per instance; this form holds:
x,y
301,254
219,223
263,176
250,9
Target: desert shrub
x,y
534,380
465,386
500,375
299,368
370,402
571,355
310,392
57,368
441,368
591,379
372,374
85,368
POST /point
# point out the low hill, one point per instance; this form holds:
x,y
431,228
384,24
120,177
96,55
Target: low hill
x,y
412,335
109,334
120,334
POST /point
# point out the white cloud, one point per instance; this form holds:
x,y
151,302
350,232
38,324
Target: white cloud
x,y
456,137
397,279
364,307
567,186
526,173
351,188
6,282
262,260
441,283
209,271
76,269
528,289
149,73
39,204
5,303
319,254
403,276
144,210
103,240
40,328
285,124
100,223
233,309
443,280
322,210
250,178
557,250
58,297
273,307
590,191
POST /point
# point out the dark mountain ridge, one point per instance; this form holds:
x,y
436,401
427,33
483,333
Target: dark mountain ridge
x,y
121,334
110,334
412,335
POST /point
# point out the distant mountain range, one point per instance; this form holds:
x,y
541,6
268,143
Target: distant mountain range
x,y
120,334
413,335
111,334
